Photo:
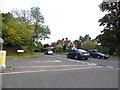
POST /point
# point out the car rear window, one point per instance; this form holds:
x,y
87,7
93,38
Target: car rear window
x,y
82,51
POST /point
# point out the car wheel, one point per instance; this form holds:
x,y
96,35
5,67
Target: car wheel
x,y
99,57
76,57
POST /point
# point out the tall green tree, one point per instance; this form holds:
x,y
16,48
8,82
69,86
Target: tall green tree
x,y
111,21
81,40
88,45
16,33
77,44
40,31
35,18
22,15
23,28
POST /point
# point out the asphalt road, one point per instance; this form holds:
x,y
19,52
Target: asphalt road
x,y
56,71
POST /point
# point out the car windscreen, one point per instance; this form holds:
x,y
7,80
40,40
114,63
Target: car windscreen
x,y
100,53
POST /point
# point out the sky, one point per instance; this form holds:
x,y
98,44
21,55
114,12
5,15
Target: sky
x,y
65,18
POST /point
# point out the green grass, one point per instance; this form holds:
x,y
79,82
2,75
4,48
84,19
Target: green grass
x,y
115,57
15,56
61,53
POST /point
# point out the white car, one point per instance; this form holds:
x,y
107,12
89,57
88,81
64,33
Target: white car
x,y
48,52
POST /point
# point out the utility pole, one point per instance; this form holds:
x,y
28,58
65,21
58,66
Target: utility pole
x,y
1,40
1,43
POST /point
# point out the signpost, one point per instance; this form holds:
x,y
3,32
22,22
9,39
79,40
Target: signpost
x,y
3,58
1,43
2,55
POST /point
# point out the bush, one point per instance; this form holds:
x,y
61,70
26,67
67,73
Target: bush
x,y
38,46
28,49
88,45
59,48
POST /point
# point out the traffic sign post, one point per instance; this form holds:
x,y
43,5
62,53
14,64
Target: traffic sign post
x,y
2,56
1,43
3,59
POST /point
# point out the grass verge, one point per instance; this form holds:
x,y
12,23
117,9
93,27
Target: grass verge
x,y
61,53
15,56
115,57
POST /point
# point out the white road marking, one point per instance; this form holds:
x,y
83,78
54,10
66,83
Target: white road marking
x,y
93,64
113,67
82,62
117,68
52,70
114,61
110,67
50,56
47,61
52,66
57,61
77,60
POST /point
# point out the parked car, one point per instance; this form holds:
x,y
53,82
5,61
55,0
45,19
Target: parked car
x,y
97,54
48,52
78,54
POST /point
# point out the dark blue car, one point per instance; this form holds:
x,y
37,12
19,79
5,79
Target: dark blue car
x,y
78,54
97,54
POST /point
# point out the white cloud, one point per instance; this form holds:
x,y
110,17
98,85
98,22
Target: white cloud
x,y
66,18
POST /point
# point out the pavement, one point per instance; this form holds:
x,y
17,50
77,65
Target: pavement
x,y
56,71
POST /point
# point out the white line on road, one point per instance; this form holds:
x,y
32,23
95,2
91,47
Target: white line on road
x,y
48,61
117,68
77,60
82,62
114,61
52,70
53,66
113,67
110,67
49,56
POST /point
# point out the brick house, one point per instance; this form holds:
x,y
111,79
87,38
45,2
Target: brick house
x,y
65,42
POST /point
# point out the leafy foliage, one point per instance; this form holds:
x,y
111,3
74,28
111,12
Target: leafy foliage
x,y
88,45
81,40
14,32
38,46
40,31
59,48
23,28
36,15
111,22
